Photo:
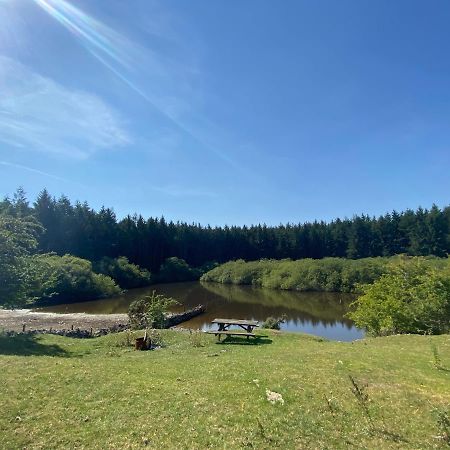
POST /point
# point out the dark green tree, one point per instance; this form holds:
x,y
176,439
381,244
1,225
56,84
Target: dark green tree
x,y
18,238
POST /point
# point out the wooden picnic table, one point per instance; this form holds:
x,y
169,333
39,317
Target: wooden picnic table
x,y
224,324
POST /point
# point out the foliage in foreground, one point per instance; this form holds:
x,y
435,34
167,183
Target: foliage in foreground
x,y
411,297
150,311
126,274
382,393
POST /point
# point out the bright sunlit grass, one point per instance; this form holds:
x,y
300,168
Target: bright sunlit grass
x,y
65,393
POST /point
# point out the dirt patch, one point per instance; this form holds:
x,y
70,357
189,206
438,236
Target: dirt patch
x,y
14,320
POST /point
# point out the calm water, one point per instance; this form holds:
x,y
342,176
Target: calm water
x,y
316,313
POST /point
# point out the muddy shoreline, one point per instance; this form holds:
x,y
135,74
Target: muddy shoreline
x,y
23,320
14,320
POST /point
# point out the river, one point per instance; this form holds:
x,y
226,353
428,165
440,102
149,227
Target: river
x,y
318,313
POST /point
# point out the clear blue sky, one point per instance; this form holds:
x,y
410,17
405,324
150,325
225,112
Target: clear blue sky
x,y
231,112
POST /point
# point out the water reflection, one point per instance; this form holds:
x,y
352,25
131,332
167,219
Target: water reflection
x,y
319,313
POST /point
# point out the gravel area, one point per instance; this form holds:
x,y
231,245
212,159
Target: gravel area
x,y
14,320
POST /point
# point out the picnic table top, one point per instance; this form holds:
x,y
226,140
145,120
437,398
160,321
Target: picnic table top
x,y
253,323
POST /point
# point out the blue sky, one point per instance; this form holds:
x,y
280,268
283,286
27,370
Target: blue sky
x,y
232,112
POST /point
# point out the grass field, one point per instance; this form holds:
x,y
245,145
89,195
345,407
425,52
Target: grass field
x,y
58,392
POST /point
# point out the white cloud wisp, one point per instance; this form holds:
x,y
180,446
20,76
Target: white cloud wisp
x,y
38,114
32,170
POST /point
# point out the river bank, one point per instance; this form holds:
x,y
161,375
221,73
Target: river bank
x,y
27,320
16,319
318,313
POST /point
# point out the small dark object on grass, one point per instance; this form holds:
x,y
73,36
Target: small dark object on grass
x,y
274,324
140,344
143,343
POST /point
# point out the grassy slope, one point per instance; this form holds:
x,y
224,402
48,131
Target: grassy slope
x,y
58,392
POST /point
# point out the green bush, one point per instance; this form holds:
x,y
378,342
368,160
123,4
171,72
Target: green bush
x,y
272,323
176,269
126,274
328,274
150,311
69,279
412,297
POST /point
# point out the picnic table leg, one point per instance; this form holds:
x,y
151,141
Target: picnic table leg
x,y
221,328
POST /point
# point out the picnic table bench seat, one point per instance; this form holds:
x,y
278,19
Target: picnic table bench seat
x,y
229,333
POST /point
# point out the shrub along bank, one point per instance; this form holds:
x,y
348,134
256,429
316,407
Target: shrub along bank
x,y
60,279
328,274
399,294
126,274
412,297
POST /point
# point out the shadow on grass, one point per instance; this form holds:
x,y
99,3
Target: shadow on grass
x,y
28,345
236,340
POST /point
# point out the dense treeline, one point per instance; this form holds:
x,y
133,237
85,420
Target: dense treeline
x,y
79,230
58,252
29,273
27,276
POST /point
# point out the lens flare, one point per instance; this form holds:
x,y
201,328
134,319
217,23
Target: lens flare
x,y
120,56
93,34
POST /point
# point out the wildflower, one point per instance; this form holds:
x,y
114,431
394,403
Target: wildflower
x,y
274,397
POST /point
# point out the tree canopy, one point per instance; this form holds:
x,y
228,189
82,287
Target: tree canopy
x,y
18,237
43,243
79,230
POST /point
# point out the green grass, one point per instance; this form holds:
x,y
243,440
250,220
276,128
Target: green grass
x,y
58,392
